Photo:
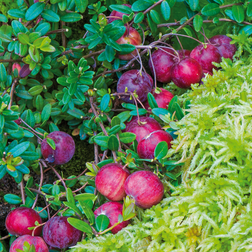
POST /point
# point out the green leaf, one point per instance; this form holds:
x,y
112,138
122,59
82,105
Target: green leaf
x,y
99,83
249,9
72,182
12,199
160,111
46,112
30,156
2,171
23,38
171,106
71,17
16,13
43,28
5,33
62,81
127,48
47,48
51,143
101,222
80,225
3,73
73,207
115,121
76,113
193,4
210,9
20,148
141,5
127,137
34,11
229,13
42,214
29,193
138,18
81,5
155,16
165,10
152,25
113,143
55,190
85,196
179,112
114,129
123,116
151,100
170,175
62,4
88,212
39,103
33,36
129,212
3,18
50,16
247,29
73,87
197,23
70,197
109,53
18,27
238,13
35,90
121,8
1,123
2,249
187,31
29,117
161,150
34,53
10,115
102,141
105,102
126,18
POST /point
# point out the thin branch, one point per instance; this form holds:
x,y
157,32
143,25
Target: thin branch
x,y
57,31
60,178
40,184
77,190
10,60
76,176
85,57
63,35
22,191
12,92
96,152
5,237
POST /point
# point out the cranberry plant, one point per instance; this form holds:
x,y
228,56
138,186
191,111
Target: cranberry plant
x,y
97,83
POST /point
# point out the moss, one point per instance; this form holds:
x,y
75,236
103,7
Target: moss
x,y
6,5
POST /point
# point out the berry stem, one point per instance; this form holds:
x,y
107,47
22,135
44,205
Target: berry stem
x,y
60,178
22,191
40,184
154,71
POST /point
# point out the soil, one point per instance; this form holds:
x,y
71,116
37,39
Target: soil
x,y
7,185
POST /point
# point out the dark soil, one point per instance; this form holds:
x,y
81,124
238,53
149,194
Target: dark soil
x,y
7,185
